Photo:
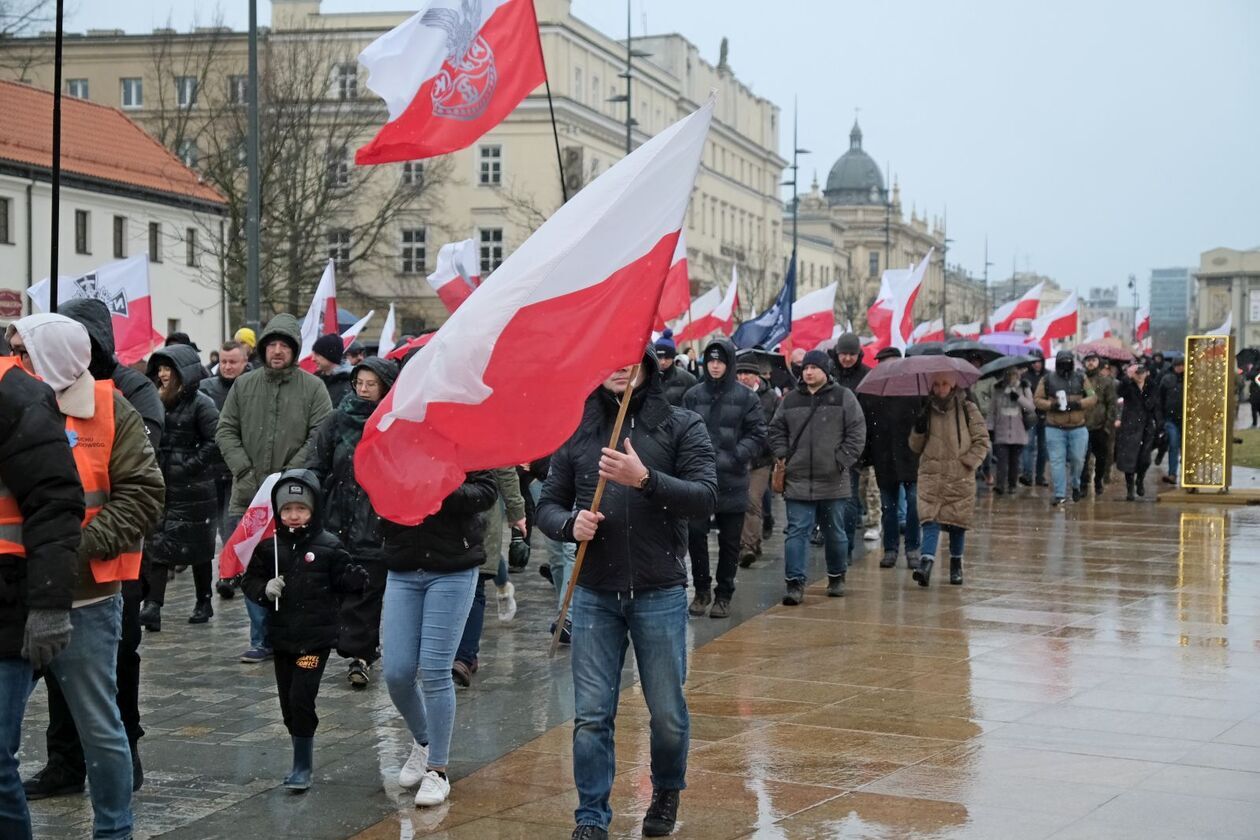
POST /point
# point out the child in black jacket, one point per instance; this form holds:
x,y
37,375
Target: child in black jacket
x,y
300,571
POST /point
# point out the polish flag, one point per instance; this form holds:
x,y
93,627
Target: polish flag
x,y
387,334
677,295
450,73
256,525
1098,329
928,331
1142,327
457,273
813,318
123,286
594,273
1060,322
348,337
971,330
1024,308
321,316
400,352
720,319
701,308
889,318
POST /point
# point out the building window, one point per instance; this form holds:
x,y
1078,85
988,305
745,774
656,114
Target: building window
x,y
78,88
413,251
132,93
491,171
6,232
82,238
579,93
186,91
413,173
120,237
491,249
346,81
873,256
190,244
338,168
238,90
187,153
155,242
172,326
339,249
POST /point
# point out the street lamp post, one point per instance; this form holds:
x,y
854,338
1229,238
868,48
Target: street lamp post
x,y
631,54
796,150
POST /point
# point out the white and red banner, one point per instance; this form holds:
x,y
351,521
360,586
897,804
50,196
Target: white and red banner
x,y
1098,329
970,331
457,274
813,317
1142,323
593,273
719,319
387,334
1023,308
677,294
256,525
321,316
450,73
1060,322
889,318
123,287
928,331
700,308
348,337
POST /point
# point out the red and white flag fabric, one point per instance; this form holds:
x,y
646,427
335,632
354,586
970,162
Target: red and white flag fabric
x,y
1142,323
889,318
321,316
348,337
677,294
457,274
387,334
123,286
258,524
450,73
1060,322
593,273
970,331
1098,329
813,317
719,319
1022,308
400,352
928,331
700,309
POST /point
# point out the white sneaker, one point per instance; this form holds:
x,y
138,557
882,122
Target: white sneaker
x,y
871,535
413,771
433,790
507,601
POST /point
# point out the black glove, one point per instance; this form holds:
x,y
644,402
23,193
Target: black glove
x,y
921,419
1014,395
356,578
518,551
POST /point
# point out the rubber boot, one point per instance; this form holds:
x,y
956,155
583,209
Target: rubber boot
x,y
1141,484
923,574
955,571
1129,494
299,778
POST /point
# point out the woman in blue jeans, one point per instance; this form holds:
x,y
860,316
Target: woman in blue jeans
x,y
951,438
428,593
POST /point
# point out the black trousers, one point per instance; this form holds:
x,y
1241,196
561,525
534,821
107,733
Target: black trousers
x,y
730,526
297,683
159,576
1006,458
62,736
1098,456
225,523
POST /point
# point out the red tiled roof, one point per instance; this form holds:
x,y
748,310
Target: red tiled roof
x,y
96,142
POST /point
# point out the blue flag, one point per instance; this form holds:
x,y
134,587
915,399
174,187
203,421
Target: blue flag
x,y
775,324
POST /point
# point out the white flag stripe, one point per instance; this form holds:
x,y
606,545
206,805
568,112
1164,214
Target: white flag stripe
x,y
387,334
313,323
700,307
358,325
821,300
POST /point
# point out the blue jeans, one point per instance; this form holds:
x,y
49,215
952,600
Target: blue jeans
x,y
1173,431
422,618
604,625
899,503
470,641
1067,448
801,516
85,673
1034,454
16,681
932,534
258,637
853,509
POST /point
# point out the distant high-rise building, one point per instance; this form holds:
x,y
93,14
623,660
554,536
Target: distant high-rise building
x,y
1170,295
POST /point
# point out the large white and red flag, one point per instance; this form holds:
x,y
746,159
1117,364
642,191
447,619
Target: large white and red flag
x,y
387,334
719,319
450,73
1142,323
457,273
928,331
258,523
890,317
348,337
321,316
813,318
122,286
677,294
488,390
1060,322
969,330
1098,329
699,310
1022,308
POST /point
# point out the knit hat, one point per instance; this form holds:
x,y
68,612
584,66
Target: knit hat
x,y
246,336
716,352
747,365
181,338
356,346
849,343
665,344
818,358
330,347
291,491
888,353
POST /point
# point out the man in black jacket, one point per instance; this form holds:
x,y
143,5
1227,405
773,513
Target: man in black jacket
x,y
632,588
848,373
676,380
1033,460
737,428
41,511
888,424
233,361
1171,387
748,371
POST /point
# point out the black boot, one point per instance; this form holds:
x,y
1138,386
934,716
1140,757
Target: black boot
x,y
661,814
151,617
299,778
1140,483
955,571
202,612
923,574
137,770
1130,493
54,780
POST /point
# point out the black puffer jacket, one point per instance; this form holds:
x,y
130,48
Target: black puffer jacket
x,y
132,384
315,569
676,382
827,444
449,540
37,468
849,377
737,427
187,456
348,510
769,401
1170,394
217,389
643,539
888,424
337,381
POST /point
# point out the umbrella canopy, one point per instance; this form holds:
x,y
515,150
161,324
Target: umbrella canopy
x,y
913,375
1010,343
773,366
998,366
967,348
926,348
1105,349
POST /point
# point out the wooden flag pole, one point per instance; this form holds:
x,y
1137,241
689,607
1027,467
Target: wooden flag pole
x,y
599,495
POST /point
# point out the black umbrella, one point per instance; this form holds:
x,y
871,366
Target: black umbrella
x,y
1003,363
926,348
966,348
773,366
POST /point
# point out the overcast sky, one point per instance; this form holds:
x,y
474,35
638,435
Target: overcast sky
x,y
1088,140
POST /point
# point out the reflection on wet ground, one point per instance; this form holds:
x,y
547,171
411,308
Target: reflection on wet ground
x,y
1098,676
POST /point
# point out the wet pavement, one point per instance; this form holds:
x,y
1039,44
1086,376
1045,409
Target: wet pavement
x,y
1097,676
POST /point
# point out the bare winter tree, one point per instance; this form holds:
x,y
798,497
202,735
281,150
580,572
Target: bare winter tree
x,y
18,18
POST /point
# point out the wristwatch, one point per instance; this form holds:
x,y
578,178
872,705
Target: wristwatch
x,y
643,482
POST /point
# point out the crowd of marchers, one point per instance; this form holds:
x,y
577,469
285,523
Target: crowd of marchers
x,y
114,481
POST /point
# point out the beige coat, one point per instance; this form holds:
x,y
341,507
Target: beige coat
x,y
949,453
